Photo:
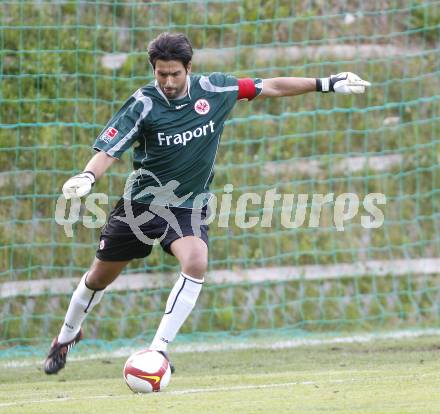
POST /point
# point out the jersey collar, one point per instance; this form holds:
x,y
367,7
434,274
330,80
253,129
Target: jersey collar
x,y
188,88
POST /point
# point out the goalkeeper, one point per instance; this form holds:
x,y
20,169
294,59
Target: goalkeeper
x,y
174,125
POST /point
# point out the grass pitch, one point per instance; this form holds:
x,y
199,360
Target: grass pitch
x,y
381,377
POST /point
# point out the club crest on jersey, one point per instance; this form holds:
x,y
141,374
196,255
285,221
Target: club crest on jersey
x,y
109,134
202,107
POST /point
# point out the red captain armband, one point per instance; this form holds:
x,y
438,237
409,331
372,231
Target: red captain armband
x,y
246,89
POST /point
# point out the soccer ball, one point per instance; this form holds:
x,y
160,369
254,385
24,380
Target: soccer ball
x,y
147,371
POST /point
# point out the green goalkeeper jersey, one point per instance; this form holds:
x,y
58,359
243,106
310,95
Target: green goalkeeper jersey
x,y
175,141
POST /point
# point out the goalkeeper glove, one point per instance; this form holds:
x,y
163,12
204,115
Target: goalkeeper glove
x,y
79,185
344,82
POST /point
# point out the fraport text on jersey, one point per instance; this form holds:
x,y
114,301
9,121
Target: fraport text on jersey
x,y
186,136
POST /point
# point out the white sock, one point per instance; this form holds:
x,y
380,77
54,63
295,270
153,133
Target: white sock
x,y
180,303
82,302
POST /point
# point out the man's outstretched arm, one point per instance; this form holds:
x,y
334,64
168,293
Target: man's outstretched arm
x,y
345,83
277,87
81,184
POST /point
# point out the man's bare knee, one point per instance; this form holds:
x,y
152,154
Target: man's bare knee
x,y
195,265
192,254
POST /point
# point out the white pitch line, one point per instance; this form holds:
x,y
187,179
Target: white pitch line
x,y
213,390
240,388
290,384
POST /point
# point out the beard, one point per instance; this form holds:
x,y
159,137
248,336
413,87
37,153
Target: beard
x,y
173,93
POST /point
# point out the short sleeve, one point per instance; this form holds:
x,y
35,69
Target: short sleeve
x,y
125,126
221,84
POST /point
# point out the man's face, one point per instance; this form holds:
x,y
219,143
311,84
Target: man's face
x,y
171,77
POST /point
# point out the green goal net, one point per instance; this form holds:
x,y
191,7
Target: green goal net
x,y
66,67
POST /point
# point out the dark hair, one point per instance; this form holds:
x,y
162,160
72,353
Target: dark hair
x,y
170,46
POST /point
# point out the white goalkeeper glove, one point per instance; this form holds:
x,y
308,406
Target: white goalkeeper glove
x,y
79,185
344,82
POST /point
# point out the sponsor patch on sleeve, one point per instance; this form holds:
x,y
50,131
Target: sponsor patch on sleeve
x,y
109,134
